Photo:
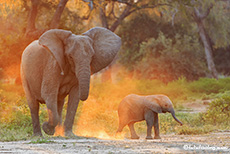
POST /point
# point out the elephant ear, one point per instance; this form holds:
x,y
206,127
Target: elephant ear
x,y
153,104
106,44
53,41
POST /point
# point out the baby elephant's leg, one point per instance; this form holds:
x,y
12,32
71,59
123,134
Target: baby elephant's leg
x,y
149,118
132,131
156,126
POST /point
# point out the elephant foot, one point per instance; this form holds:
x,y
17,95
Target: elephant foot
x,y
37,134
70,134
48,129
135,137
149,138
157,137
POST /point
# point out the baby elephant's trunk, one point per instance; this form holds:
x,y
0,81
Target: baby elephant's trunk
x,y
173,114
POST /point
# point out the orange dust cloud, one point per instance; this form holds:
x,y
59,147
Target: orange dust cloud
x,y
98,118
59,131
98,115
101,134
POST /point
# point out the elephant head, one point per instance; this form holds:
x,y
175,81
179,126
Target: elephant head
x,y
86,54
161,104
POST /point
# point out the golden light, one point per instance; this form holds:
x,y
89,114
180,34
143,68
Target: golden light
x,y
59,131
98,115
7,5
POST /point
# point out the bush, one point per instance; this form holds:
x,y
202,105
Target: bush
x,y
168,59
205,85
218,112
15,119
16,123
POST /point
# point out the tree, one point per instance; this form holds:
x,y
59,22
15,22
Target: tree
x,y
205,38
31,29
113,12
23,21
212,21
211,18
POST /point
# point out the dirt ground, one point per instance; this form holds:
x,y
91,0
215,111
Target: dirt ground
x,y
209,143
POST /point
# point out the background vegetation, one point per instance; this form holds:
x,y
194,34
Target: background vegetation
x,y
178,48
98,117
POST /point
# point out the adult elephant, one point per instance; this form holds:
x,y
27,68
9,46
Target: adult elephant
x,y
59,64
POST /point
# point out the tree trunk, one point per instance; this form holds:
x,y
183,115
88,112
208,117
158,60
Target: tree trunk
x,y
207,45
103,18
32,17
57,16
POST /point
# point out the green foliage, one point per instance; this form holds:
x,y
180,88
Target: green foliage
x,y
175,90
15,122
219,112
168,59
15,119
40,141
209,85
216,117
160,51
187,130
221,59
132,34
218,21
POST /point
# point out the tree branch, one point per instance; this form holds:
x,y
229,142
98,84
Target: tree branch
x,y
124,14
57,16
205,14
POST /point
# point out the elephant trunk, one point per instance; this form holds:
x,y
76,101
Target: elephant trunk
x,y
83,81
174,116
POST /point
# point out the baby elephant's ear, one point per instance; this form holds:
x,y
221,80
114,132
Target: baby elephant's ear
x,y
152,103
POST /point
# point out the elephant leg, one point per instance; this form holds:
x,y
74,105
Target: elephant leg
x,y
121,125
71,111
132,131
34,111
60,108
34,108
156,126
120,128
149,118
49,93
59,129
51,103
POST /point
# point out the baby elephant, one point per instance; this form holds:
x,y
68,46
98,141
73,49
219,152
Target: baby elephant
x,y
134,108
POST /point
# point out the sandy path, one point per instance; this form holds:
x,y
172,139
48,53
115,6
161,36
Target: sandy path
x,y
209,143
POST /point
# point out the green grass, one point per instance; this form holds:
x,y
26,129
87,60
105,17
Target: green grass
x,y
99,112
41,140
